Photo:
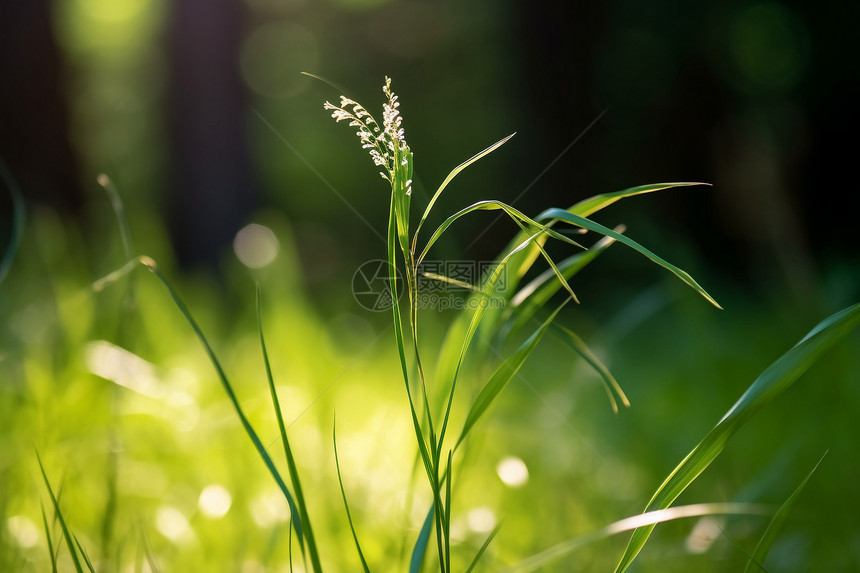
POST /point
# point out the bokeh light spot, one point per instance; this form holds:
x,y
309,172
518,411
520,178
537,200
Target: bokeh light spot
x,y
481,519
214,501
270,508
171,523
23,530
256,246
513,471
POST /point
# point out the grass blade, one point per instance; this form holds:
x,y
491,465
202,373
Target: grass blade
x,y
84,554
503,374
228,388
541,289
66,533
288,452
493,206
771,383
450,177
19,215
593,204
345,503
756,562
650,518
520,264
555,213
50,543
119,213
483,548
421,543
613,388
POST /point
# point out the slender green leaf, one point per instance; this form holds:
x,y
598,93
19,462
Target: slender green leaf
x,y
520,264
503,374
119,214
87,561
492,206
756,562
778,377
483,548
593,204
325,81
454,172
50,543
447,521
19,216
648,519
345,503
529,299
228,389
288,452
59,514
480,309
579,221
613,388
421,543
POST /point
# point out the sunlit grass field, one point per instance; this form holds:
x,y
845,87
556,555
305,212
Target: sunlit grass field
x,y
154,472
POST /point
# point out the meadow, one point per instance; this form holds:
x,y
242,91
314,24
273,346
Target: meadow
x,y
130,391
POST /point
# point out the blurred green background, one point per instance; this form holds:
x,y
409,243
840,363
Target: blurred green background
x,y
199,115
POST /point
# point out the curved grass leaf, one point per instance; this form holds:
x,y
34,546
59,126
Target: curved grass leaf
x,y
526,302
756,562
613,388
19,215
228,389
490,205
523,262
648,519
454,172
778,377
66,533
579,221
345,503
503,374
593,204
288,452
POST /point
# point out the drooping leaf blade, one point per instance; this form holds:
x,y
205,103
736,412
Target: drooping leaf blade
x,y
493,206
533,296
613,388
593,204
579,221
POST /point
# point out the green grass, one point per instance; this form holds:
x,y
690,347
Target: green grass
x,y
139,402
